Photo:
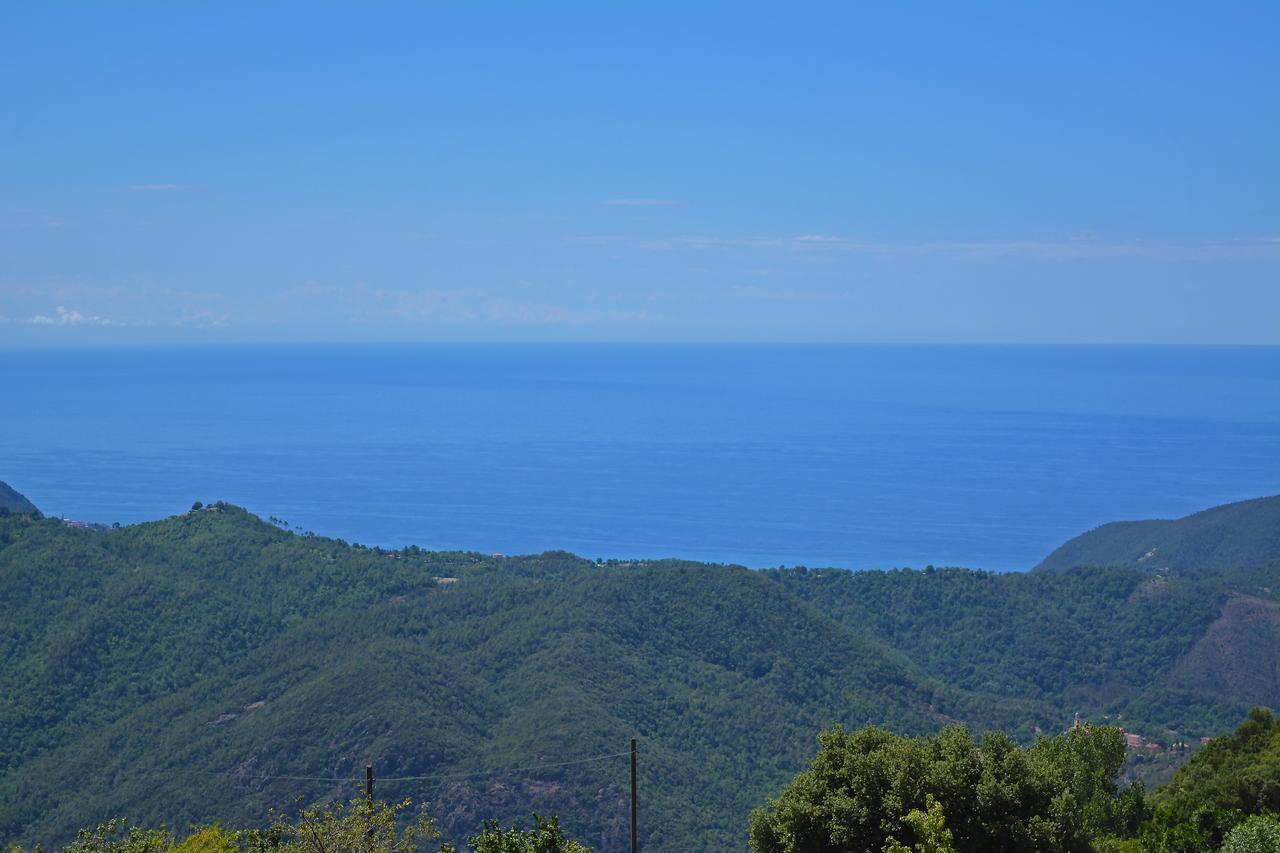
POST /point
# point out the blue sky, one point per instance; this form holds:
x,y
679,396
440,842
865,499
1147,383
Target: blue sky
x,y
802,172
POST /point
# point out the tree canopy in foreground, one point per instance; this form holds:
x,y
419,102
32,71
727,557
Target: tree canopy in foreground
x,y
949,793
874,790
362,826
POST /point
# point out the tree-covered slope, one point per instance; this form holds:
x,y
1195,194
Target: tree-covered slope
x,y
1239,772
99,623
180,670
210,666
1152,652
13,501
1237,535
1229,791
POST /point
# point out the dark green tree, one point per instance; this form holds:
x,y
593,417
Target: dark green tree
x,y
545,836
873,790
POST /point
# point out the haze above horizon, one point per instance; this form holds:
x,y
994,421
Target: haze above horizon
x,y
1078,173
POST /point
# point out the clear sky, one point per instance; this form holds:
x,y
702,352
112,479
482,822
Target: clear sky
x,y
1084,172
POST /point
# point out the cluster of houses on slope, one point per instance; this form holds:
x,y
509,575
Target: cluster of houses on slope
x,y
1135,741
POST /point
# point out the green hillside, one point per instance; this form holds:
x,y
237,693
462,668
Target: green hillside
x,y
1182,651
174,671
1237,535
1239,772
12,501
211,666
1233,778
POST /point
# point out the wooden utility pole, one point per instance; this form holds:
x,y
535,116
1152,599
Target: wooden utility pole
x,y
368,801
633,796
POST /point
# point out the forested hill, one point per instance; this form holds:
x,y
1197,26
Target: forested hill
x,y
12,501
211,665
1232,536
190,669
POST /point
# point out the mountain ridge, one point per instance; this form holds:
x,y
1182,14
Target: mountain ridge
x,y
1235,535
11,500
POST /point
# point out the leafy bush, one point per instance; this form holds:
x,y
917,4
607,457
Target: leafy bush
x,y
873,790
545,836
1258,834
362,826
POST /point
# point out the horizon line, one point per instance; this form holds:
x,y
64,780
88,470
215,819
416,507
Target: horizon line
x,y
480,342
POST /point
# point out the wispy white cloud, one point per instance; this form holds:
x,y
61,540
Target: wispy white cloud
x,y
1052,250
202,318
639,202
151,188
361,302
64,317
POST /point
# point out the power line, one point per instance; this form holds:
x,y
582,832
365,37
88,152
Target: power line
x,y
503,771
288,778
508,771
445,775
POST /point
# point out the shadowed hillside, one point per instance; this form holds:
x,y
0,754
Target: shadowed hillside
x,y
1238,655
1238,535
13,501
1149,653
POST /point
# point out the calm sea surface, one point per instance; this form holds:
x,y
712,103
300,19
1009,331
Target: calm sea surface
x,y
858,456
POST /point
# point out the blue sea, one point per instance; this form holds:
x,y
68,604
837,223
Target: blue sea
x,y
765,455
